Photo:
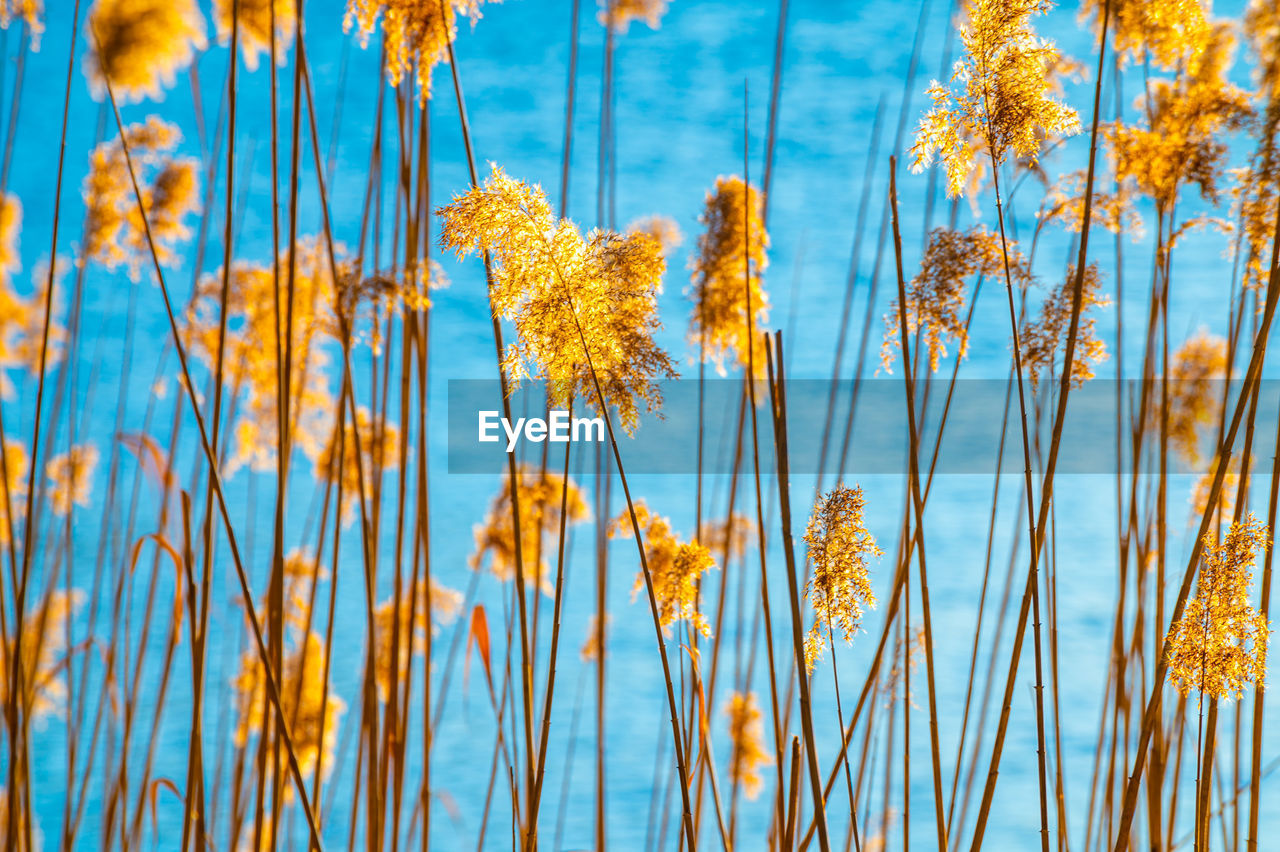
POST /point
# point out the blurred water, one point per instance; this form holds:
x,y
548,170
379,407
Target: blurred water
x,y
679,120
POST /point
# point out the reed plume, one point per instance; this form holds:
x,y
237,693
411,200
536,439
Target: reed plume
x,y
254,22
1195,397
394,617
1003,105
1226,504
1043,337
15,469
937,295
21,332
539,496
839,589
728,274
1115,211
70,476
663,229
309,703
141,45
113,232
747,752
255,347
1166,31
365,447
417,33
29,12
43,648
564,291
618,14
1220,644
1181,141
10,229
676,566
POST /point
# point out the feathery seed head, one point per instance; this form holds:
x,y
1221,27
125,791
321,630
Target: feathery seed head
x,y
1167,31
1220,643
378,451
254,26
539,498
747,753
662,228
618,14
43,647
416,33
10,227
410,631
1180,142
308,701
140,45
30,12
70,477
676,568
1043,338
1004,105
728,276
936,296
839,589
1195,392
114,233
562,291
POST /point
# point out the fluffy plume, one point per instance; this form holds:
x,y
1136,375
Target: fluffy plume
x,y
254,33
1004,105
937,295
139,46
746,743
1220,643
1043,338
540,498
839,589
113,231
417,33
732,251
676,567
563,290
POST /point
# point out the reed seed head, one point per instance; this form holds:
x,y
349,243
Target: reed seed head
x,y
114,233
937,294
139,46
1044,337
416,33
1003,105
564,292
539,496
1220,643
747,753
254,26
1180,140
70,477
839,588
307,700
728,275
1195,390
676,568
618,14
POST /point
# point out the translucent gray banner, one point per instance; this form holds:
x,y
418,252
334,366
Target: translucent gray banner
x,y
861,427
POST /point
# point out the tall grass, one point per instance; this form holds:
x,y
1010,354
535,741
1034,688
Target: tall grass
x,y
268,652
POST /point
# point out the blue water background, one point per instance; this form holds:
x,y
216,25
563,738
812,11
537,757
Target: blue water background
x,y
679,125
